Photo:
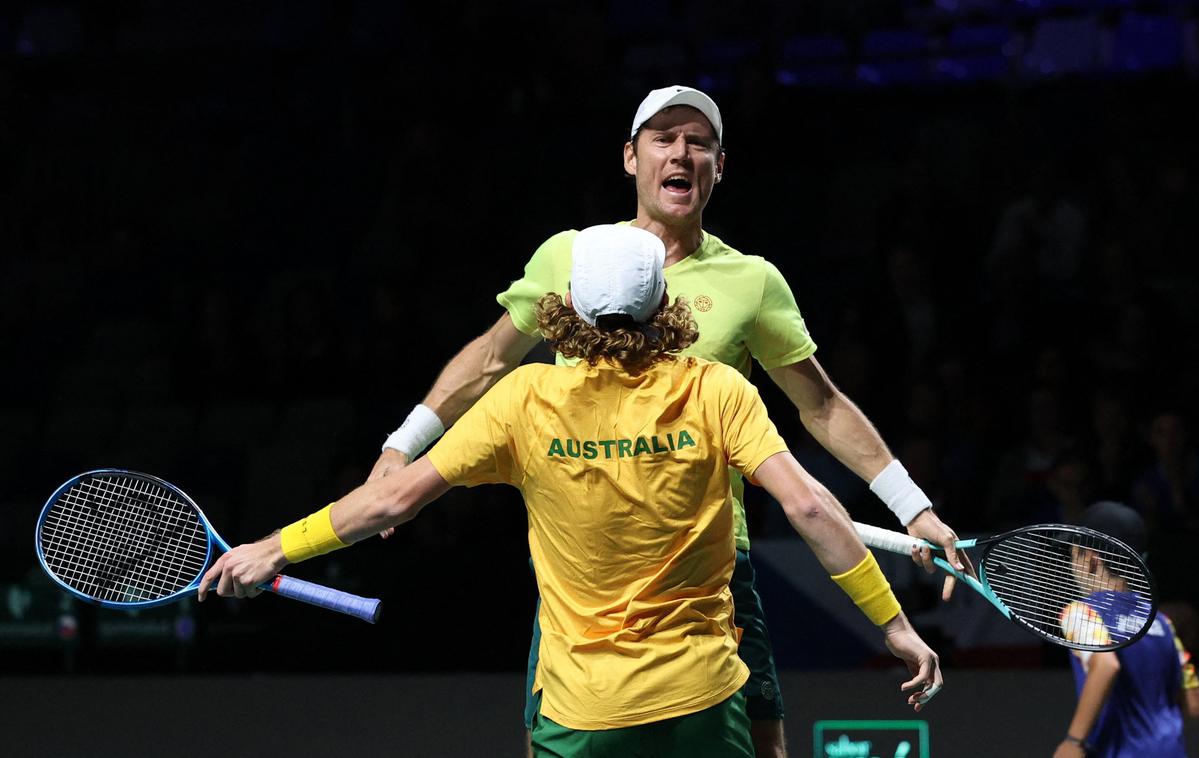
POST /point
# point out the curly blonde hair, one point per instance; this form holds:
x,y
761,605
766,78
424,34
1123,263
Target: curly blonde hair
x,y
635,347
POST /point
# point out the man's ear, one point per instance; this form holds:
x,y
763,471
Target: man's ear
x,y
630,159
569,303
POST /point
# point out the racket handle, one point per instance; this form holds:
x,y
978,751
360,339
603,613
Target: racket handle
x,y
365,608
885,539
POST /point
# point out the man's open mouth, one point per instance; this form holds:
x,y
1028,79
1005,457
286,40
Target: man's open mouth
x,y
678,184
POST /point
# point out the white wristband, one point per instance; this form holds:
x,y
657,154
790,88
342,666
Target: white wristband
x,y
895,488
420,428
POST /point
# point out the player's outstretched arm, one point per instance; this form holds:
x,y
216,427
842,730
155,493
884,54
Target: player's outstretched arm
x,y
843,429
829,531
469,374
375,505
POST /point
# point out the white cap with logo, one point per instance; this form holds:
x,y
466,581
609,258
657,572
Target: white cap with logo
x,y
676,94
617,270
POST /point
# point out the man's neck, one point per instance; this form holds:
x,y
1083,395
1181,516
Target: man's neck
x,y
680,240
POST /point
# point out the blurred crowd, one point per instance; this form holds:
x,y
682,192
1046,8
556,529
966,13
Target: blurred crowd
x,y
238,268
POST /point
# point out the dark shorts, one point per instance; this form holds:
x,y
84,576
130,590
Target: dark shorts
x,y
721,731
763,699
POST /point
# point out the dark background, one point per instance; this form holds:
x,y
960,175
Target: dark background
x,y
239,240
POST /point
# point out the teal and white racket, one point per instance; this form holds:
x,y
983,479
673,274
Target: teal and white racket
x,y
1069,585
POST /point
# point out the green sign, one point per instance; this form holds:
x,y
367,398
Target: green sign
x,y
870,739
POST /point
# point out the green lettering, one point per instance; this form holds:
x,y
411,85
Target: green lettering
x,y
572,450
556,448
625,447
658,445
589,450
607,447
670,440
685,439
641,447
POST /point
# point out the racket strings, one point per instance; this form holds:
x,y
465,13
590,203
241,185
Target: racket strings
x,y
1034,574
123,539
1048,574
145,528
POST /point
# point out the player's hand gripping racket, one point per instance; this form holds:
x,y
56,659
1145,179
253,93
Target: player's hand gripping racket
x,y
1070,585
126,540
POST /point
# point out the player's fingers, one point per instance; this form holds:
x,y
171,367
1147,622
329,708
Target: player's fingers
x,y
951,553
921,678
969,570
920,701
209,578
387,532
224,585
242,585
929,688
923,556
928,693
951,581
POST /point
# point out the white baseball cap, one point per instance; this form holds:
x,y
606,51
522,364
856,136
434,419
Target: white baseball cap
x,y
676,94
617,270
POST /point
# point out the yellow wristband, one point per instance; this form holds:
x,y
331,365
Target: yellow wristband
x,y
310,536
869,590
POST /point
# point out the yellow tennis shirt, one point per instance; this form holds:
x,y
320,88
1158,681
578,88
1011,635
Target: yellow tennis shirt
x,y
741,303
626,483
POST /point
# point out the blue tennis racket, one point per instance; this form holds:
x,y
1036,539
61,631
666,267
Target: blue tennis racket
x,y
122,539
1069,585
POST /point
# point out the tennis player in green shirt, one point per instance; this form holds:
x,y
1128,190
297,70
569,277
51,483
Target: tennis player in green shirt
x,y
744,309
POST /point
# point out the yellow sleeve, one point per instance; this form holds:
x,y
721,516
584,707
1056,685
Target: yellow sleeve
x,y
480,447
749,435
547,271
1082,625
780,336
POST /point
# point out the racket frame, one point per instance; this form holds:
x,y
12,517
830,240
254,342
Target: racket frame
x,y
213,538
885,539
287,586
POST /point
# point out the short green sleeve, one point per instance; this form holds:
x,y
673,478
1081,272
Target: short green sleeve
x,y
749,435
779,336
547,271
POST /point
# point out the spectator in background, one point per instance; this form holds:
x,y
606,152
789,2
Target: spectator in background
x,y
1122,346
911,291
1020,494
1040,235
1109,444
1071,487
1167,490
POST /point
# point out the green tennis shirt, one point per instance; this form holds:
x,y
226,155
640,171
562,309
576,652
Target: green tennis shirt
x,y
741,303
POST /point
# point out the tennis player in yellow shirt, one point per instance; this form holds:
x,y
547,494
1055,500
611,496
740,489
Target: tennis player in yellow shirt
x,y
623,461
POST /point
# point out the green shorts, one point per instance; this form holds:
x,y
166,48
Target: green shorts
x,y
721,731
763,699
